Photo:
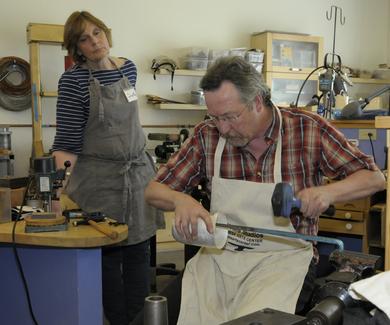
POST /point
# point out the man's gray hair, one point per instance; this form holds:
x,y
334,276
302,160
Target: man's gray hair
x,y
241,74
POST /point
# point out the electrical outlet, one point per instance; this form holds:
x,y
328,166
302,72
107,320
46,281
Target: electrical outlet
x,y
354,142
363,134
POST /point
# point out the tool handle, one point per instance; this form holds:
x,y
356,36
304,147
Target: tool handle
x,y
104,229
330,211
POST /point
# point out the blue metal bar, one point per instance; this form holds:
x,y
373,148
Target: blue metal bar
x,y
321,239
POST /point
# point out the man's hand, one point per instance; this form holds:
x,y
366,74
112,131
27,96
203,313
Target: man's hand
x,y
187,209
187,213
315,200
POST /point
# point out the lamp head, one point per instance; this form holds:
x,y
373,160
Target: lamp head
x,y
353,109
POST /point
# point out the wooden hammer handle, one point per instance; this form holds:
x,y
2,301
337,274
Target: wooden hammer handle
x,y
104,229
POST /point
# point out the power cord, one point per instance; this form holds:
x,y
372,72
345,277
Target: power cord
x,y
16,254
370,135
304,82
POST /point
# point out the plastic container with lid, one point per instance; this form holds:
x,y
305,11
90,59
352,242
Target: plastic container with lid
x,y
216,54
254,56
192,63
238,52
197,52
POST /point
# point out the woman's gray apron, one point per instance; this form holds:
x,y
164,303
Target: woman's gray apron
x,y
113,169
252,272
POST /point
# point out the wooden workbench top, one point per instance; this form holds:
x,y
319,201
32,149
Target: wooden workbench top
x,y
82,236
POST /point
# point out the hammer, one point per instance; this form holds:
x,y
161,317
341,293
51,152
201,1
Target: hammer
x,y
283,201
103,228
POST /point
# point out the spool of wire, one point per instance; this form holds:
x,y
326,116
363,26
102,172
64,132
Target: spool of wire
x,y
15,84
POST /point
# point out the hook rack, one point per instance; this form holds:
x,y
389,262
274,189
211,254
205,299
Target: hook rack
x,y
334,10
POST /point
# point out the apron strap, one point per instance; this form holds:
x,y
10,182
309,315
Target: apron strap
x,y
278,154
218,156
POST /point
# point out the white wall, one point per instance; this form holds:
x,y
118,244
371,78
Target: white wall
x,y
144,29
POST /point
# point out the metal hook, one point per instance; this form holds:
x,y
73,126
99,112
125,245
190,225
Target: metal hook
x,y
342,18
333,13
329,17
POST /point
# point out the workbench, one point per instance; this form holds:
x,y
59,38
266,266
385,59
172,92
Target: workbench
x,y
63,274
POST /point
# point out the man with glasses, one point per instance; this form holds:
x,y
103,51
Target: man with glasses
x,y
244,148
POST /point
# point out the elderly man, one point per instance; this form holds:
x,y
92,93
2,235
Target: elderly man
x,y
247,146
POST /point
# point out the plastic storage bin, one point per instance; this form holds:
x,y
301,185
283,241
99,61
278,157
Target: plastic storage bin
x,y
196,58
238,52
193,63
216,54
197,52
254,56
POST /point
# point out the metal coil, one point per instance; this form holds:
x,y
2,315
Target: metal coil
x,y
15,96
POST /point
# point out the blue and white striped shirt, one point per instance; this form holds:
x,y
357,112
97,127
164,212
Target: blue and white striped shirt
x,y
73,103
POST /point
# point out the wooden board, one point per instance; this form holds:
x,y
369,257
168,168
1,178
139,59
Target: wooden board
x,y
46,33
80,236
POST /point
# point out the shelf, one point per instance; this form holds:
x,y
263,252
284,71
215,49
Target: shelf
x,y
181,106
184,72
370,81
354,124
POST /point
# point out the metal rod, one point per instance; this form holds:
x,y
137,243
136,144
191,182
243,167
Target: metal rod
x,y
342,22
321,239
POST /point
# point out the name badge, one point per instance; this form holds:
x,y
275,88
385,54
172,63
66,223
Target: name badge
x,y
130,94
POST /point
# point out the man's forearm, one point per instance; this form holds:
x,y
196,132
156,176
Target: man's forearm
x,y
160,196
357,185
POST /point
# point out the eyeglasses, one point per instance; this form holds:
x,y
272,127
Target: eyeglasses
x,y
229,118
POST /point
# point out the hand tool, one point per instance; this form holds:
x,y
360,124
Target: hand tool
x,y
103,228
283,201
288,234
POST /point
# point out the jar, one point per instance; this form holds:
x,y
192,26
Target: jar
x,y
197,97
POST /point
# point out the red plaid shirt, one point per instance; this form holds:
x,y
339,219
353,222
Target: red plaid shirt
x,y
311,148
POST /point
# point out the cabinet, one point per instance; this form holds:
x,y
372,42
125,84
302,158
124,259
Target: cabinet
x,y
350,218
289,52
288,60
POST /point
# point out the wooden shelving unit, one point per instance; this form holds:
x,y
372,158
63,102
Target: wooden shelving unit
x,y
184,72
353,124
370,81
181,107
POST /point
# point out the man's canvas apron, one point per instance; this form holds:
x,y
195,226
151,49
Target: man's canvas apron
x,y
252,272
113,169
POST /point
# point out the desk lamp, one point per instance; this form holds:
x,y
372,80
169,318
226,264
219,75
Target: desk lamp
x,y
354,109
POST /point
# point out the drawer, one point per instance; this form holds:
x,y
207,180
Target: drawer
x,y
355,205
348,215
341,226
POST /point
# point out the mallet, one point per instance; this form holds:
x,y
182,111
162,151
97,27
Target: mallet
x,y
283,201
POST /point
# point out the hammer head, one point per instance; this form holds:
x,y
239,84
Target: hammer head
x,y
282,200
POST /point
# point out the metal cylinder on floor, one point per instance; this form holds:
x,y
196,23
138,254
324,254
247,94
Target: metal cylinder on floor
x,y
156,310
6,156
